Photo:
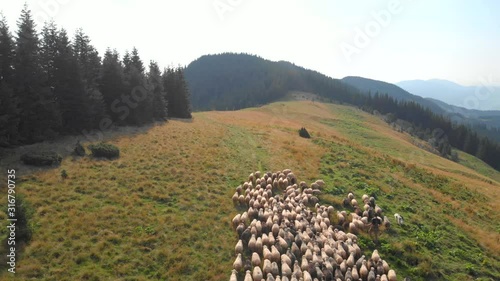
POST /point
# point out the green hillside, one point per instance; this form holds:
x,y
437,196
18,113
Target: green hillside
x,y
163,210
232,81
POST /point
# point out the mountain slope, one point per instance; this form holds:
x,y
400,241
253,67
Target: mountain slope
x,y
366,85
484,122
234,81
167,214
470,97
490,118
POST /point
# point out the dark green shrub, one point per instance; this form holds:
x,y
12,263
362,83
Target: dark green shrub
x,y
24,213
304,133
41,158
79,150
105,150
64,174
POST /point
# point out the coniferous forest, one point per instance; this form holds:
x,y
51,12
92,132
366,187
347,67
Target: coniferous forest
x,y
52,85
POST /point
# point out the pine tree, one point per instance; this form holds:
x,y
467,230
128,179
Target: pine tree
x,y
40,116
157,90
89,64
112,87
9,116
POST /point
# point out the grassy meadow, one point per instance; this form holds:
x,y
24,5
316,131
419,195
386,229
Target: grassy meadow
x,y
163,210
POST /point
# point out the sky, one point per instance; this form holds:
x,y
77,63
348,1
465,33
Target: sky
x,y
389,40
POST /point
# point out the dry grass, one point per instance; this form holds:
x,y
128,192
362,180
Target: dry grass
x,y
162,210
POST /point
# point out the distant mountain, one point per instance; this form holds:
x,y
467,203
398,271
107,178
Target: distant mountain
x,y
366,86
470,97
482,121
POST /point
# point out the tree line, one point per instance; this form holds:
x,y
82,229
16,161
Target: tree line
x,y
51,85
441,130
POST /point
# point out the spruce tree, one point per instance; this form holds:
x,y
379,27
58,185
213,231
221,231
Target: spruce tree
x,y
48,53
69,87
89,64
157,90
168,79
136,60
112,87
183,101
6,52
135,80
127,62
178,97
9,115
38,106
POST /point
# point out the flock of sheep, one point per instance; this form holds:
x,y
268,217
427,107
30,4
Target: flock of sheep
x,y
282,239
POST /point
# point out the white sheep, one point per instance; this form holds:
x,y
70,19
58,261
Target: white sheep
x,y
266,268
275,269
236,220
375,256
283,229
233,276
257,274
270,277
238,263
255,259
238,249
251,243
391,275
399,218
307,276
321,183
248,276
275,254
286,270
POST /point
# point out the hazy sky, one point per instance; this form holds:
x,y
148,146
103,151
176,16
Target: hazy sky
x,y
385,40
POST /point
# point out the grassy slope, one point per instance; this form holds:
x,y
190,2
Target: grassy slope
x,y
163,209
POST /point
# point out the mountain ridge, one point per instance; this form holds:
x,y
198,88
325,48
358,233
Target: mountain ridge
x,y
478,97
